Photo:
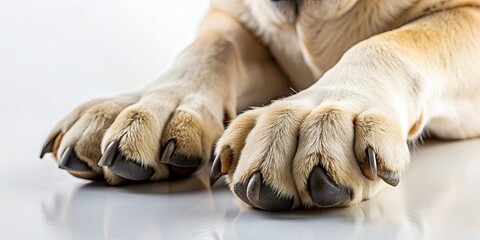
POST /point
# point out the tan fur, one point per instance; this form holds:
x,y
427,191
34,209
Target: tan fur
x,y
235,137
56,144
187,129
370,73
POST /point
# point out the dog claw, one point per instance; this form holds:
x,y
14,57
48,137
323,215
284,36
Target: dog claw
x,y
372,159
253,188
49,145
71,162
221,165
324,191
240,189
257,194
180,166
391,178
109,154
123,167
129,169
264,197
170,158
167,152
215,172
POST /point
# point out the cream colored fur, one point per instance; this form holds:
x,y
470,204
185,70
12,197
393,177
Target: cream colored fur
x,y
372,73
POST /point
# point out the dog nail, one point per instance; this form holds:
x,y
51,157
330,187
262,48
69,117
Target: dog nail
x,y
253,188
240,189
372,159
324,191
129,169
264,197
109,154
51,144
216,172
391,178
221,165
122,166
71,162
179,166
168,151
171,158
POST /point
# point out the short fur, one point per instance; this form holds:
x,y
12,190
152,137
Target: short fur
x,y
369,73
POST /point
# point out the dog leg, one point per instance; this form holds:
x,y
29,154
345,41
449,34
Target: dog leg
x,y
168,129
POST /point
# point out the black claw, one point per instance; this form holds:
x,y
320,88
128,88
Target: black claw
x,y
71,162
324,191
182,161
123,167
109,155
391,178
171,158
257,194
264,197
253,188
129,169
372,159
180,166
216,171
221,164
240,189
48,146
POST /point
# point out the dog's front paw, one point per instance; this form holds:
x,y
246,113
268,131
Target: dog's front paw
x,y
163,133
301,153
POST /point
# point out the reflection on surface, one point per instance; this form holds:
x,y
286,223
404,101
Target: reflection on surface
x,y
167,209
380,218
437,198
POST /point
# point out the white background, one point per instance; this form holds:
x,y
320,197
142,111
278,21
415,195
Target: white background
x,y
57,54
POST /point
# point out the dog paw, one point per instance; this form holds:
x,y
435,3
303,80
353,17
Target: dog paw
x,y
302,153
160,134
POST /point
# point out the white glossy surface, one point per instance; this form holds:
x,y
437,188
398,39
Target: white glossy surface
x,y
56,54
